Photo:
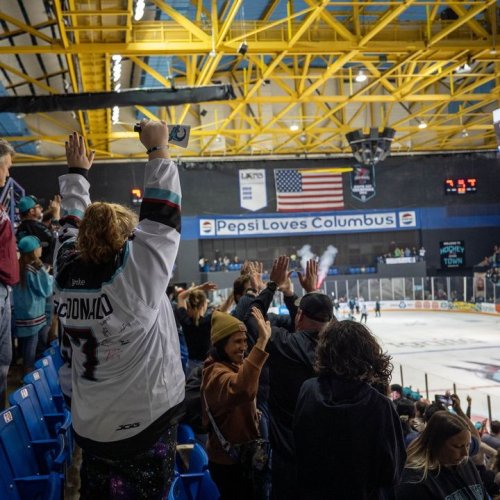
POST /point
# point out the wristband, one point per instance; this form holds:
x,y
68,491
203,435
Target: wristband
x,y
156,148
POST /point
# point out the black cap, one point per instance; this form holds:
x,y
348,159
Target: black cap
x,y
316,306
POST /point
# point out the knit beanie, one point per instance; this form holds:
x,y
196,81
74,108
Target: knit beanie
x,y
224,325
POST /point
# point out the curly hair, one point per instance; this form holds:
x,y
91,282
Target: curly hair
x,y
104,229
196,301
347,349
423,452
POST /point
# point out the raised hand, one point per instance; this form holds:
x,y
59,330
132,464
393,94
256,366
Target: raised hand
x,y
287,287
279,271
207,286
263,326
255,270
76,152
154,134
309,280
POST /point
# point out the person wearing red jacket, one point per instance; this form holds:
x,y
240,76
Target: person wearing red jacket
x,y
9,273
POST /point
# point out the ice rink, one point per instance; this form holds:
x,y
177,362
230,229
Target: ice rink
x,y
451,347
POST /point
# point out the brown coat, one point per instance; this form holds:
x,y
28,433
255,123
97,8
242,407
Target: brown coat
x,y
230,391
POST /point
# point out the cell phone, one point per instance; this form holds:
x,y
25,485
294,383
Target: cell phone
x,y
177,134
442,398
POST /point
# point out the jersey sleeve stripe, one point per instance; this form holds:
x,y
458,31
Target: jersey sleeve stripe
x,y
73,213
162,195
162,211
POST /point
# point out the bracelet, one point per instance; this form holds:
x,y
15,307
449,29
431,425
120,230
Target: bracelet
x,y
156,148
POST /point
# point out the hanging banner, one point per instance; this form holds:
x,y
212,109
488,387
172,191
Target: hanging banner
x,y
452,254
363,182
253,193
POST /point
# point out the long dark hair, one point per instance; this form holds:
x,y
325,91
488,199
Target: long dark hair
x,y
217,352
347,349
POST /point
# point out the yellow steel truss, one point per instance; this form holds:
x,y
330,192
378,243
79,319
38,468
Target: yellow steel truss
x,y
297,70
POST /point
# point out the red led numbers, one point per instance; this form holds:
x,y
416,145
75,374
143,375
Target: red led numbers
x,y
462,185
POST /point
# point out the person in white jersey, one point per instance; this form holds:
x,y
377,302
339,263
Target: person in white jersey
x,y
126,373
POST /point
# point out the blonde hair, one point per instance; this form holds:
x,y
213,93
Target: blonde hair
x,y
25,260
196,301
104,229
423,452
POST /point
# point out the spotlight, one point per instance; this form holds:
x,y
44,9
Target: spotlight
x,y
243,48
422,124
370,149
465,133
294,127
361,77
464,68
20,116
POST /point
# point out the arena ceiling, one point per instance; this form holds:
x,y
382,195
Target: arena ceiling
x,y
433,63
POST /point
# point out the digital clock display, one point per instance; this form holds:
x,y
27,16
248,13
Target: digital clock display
x,y
461,185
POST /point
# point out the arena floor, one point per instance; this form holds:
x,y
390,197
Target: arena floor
x,y
460,348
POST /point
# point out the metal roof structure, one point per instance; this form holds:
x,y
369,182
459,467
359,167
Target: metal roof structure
x,y
305,73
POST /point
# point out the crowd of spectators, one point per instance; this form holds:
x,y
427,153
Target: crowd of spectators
x,y
396,251
490,265
247,374
219,264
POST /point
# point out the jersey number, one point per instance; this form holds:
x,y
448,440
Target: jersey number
x,y
86,337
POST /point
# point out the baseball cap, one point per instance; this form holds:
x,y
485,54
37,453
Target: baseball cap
x,y
316,306
26,203
28,244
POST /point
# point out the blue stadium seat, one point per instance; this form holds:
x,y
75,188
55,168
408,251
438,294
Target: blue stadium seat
x,y
57,421
200,486
49,369
191,458
55,354
50,450
177,490
185,434
20,473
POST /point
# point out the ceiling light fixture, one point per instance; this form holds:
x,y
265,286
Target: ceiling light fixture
x,y
294,127
361,76
139,10
370,149
464,68
465,133
243,48
115,116
422,124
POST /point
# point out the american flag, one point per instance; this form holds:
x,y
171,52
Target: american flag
x,y
303,191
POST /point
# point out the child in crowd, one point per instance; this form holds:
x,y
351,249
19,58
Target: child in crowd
x,y
30,294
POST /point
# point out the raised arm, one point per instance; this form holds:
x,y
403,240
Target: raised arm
x,y
153,249
74,188
205,287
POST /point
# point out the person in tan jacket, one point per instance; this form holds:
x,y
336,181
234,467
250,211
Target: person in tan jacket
x,y
229,386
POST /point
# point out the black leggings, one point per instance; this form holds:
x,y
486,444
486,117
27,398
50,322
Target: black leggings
x,y
231,482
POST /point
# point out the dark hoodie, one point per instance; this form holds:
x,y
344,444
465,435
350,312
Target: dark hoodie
x,y
348,441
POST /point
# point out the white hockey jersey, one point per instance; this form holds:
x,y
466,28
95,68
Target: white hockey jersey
x,y
125,362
